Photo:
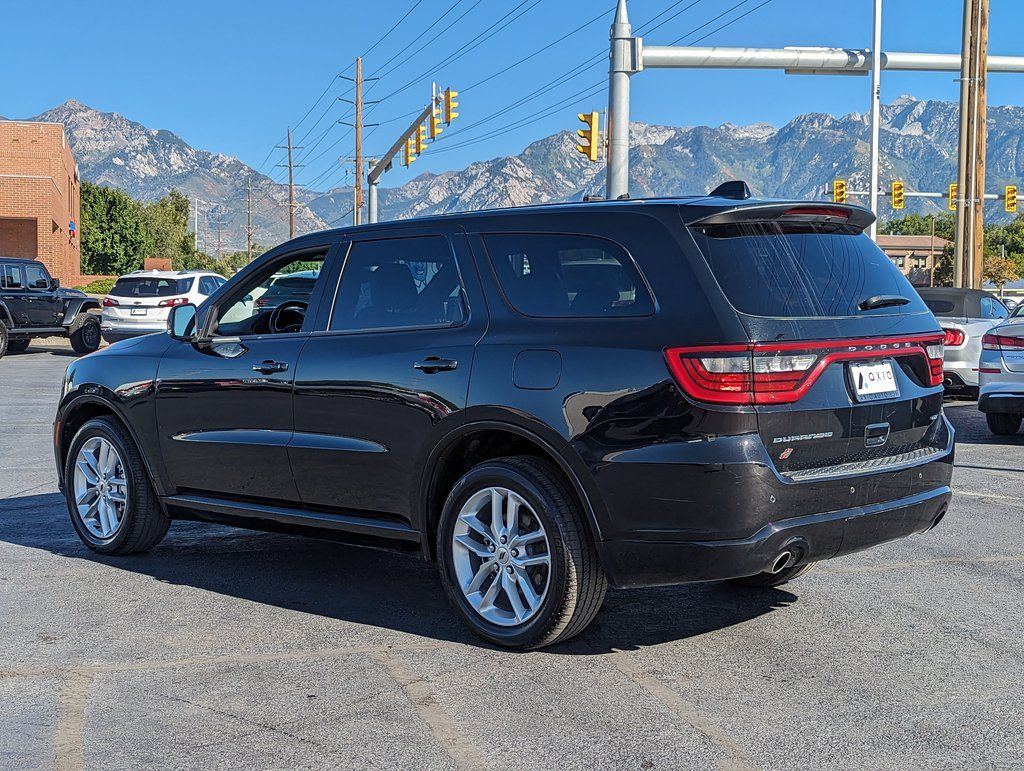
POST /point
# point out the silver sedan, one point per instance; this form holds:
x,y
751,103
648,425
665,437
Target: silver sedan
x,y
1001,372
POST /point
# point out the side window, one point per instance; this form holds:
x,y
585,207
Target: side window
x,y
991,308
207,286
10,276
399,282
36,277
565,276
273,300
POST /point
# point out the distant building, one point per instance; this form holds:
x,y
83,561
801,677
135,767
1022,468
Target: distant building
x,y
40,197
916,256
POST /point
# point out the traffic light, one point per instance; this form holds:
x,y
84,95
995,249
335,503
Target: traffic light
x,y
898,197
421,138
408,153
435,123
839,191
1010,199
591,135
449,105
951,204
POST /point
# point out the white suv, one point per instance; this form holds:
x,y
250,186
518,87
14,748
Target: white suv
x,y
139,303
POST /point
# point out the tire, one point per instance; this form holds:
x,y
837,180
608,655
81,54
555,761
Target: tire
x,y
142,521
769,580
1003,423
85,334
17,346
574,584
5,339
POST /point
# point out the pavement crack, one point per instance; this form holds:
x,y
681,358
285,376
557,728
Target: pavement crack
x,y
421,694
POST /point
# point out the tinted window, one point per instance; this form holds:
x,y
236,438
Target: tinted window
x,y
563,276
10,277
36,277
991,308
942,307
801,270
288,282
399,282
206,286
150,286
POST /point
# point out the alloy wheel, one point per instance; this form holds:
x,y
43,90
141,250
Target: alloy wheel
x,y
501,556
100,487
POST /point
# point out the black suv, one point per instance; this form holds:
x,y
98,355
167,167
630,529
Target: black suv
x,y
32,304
543,400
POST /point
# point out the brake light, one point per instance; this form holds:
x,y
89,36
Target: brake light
x,y
781,373
952,337
1002,343
110,302
816,212
172,301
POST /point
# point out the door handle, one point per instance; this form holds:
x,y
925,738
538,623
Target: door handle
x,y
270,367
433,364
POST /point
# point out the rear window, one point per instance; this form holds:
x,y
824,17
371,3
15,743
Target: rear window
x,y
944,307
815,270
151,286
564,276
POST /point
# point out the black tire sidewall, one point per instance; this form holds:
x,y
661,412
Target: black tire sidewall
x,y
100,427
78,336
17,346
1003,424
4,338
496,474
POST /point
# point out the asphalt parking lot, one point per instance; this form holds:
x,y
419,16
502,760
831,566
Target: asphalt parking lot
x,y
224,648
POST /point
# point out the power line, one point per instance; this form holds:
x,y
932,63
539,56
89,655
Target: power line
x,y
716,18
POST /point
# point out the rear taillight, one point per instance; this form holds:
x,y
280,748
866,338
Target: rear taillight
x,y
172,301
1002,343
769,373
952,337
109,302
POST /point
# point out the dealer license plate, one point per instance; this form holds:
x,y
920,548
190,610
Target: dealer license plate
x,y
139,311
873,381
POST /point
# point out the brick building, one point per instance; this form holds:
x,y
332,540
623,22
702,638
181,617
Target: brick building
x,y
916,256
40,198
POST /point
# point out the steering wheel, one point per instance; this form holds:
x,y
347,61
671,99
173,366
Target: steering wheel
x,y
288,317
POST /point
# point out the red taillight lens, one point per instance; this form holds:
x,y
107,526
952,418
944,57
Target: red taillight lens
x,y
951,337
1002,343
172,301
770,373
816,212
109,302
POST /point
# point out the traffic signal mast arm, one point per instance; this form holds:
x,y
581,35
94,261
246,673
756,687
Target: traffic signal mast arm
x,y
840,191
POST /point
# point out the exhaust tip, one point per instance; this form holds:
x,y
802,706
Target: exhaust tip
x,y
783,561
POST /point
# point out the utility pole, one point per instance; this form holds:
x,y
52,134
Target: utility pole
x,y
219,223
291,184
248,220
876,97
195,230
359,141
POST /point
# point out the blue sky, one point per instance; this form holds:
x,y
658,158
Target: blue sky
x,y
230,76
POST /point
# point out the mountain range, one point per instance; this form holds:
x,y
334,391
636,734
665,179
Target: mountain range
x,y
918,140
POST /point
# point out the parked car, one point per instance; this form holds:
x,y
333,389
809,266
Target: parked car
x,y
139,302
1010,303
1001,372
965,315
33,304
634,393
287,287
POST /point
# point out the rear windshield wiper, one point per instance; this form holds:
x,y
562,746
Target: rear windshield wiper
x,y
882,301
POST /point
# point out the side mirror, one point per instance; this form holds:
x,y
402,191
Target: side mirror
x,y
54,284
181,322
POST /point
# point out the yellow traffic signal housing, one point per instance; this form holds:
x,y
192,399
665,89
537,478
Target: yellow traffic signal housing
x,y
898,196
408,153
449,105
591,136
839,191
951,204
1010,199
421,137
435,124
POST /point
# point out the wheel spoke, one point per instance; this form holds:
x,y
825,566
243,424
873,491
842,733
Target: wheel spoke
x,y
489,597
497,515
529,560
476,525
87,471
92,512
477,548
512,504
526,586
110,459
117,496
508,583
525,539
104,518
478,579
85,496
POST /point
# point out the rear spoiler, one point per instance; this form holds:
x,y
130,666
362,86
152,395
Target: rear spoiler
x,y
791,211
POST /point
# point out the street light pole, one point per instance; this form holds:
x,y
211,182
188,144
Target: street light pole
x,y
876,96
622,64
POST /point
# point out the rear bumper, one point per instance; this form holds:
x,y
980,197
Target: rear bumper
x,y
815,537
1001,402
114,333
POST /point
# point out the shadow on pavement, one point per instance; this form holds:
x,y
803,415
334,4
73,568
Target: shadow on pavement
x,y
971,427
372,587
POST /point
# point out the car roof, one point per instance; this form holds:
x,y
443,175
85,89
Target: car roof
x,y
952,292
23,260
169,274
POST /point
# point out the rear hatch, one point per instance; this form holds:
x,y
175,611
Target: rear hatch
x,y
145,299
1008,339
844,361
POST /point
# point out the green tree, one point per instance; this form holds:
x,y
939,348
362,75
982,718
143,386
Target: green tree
x,y
167,227
919,225
114,233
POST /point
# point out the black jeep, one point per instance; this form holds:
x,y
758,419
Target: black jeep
x,y
32,304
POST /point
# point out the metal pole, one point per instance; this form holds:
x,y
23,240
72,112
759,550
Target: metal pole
x,y
358,205
963,195
618,104
876,94
372,203
195,235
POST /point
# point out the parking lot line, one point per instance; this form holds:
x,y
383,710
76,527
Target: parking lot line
x,y
735,756
67,736
422,696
